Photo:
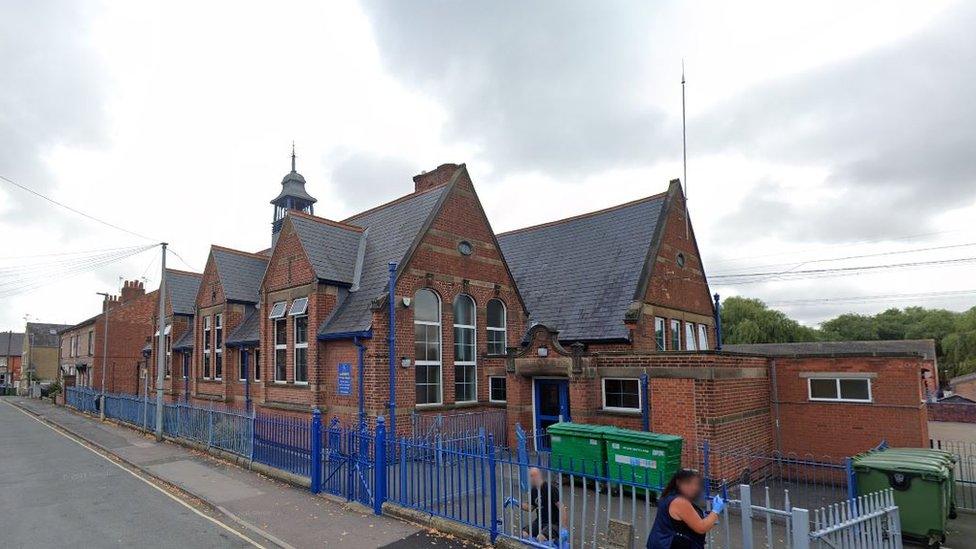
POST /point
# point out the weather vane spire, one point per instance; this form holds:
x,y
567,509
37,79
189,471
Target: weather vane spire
x,y
293,155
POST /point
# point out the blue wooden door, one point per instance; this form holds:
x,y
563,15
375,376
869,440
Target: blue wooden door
x,y
551,406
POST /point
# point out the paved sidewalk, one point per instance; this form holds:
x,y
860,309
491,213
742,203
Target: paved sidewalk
x,y
282,513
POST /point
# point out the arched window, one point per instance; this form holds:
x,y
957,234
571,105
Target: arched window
x,y
427,346
465,350
496,327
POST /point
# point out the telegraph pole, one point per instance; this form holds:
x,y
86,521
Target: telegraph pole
x,y
161,348
101,407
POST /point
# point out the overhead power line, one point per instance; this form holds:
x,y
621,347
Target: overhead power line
x,y
18,280
919,296
753,278
74,210
798,264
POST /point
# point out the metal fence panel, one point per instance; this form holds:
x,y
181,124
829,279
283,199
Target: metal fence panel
x,y
965,470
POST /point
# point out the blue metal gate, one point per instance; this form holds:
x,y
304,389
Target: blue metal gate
x,y
347,461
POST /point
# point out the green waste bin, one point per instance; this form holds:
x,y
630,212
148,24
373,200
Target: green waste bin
x,y
933,456
922,489
578,448
641,457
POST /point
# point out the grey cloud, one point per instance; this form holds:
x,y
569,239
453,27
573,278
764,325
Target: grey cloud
x,y
558,87
365,180
895,128
51,93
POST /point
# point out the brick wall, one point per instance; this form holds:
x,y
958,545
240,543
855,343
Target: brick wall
x,y
439,266
956,412
838,429
965,389
130,324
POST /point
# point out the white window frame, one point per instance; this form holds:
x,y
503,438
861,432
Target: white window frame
x,y
661,325
690,338
503,378
603,396
218,346
256,364
440,347
278,309
675,328
297,346
494,329
703,337
278,347
840,397
240,363
207,366
169,353
473,364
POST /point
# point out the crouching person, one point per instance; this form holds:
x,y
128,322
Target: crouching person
x,y
549,523
680,523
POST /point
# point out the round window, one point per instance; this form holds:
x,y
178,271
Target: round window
x,y
465,247
680,260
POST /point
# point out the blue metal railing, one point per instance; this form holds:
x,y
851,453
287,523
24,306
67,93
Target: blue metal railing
x,y
283,443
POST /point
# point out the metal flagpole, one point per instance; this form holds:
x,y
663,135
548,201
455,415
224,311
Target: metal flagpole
x,y
161,348
684,149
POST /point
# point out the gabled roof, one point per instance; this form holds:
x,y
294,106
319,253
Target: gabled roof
x,y
923,347
393,230
185,341
240,273
249,331
41,334
334,249
83,323
11,343
579,275
182,288
953,381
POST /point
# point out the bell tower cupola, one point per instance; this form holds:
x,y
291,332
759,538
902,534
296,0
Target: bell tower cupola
x,y
293,196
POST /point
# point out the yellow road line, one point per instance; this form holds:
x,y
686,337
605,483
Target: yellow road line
x,y
109,459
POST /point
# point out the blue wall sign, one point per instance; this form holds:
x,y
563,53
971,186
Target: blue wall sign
x,y
345,378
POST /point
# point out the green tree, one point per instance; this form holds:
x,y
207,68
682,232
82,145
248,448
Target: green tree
x,y
850,327
746,320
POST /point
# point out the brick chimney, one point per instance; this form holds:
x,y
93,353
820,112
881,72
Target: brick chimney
x,y
440,176
110,302
132,289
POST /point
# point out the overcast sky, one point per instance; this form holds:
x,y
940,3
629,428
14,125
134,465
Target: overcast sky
x,y
839,129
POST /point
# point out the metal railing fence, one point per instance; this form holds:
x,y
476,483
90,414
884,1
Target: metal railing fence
x,y
965,470
454,425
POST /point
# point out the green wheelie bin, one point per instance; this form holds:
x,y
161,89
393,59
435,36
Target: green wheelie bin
x,y
578,448
921,488
640,457
935,456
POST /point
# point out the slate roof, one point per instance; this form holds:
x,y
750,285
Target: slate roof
x,y
956,399
334,249
293,185
579,275
249,331
182,288
44,335
240,274
392,229
953,381
923,347
85,322
185,341
11,343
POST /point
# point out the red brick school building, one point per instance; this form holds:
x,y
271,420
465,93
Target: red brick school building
x,y
605,317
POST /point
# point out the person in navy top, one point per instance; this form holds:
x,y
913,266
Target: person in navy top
x,y
680,523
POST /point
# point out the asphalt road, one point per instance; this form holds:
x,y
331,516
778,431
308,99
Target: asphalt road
x,y
56,492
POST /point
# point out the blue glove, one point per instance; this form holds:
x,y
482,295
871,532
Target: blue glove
x,y
717,504
511,501
563,537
